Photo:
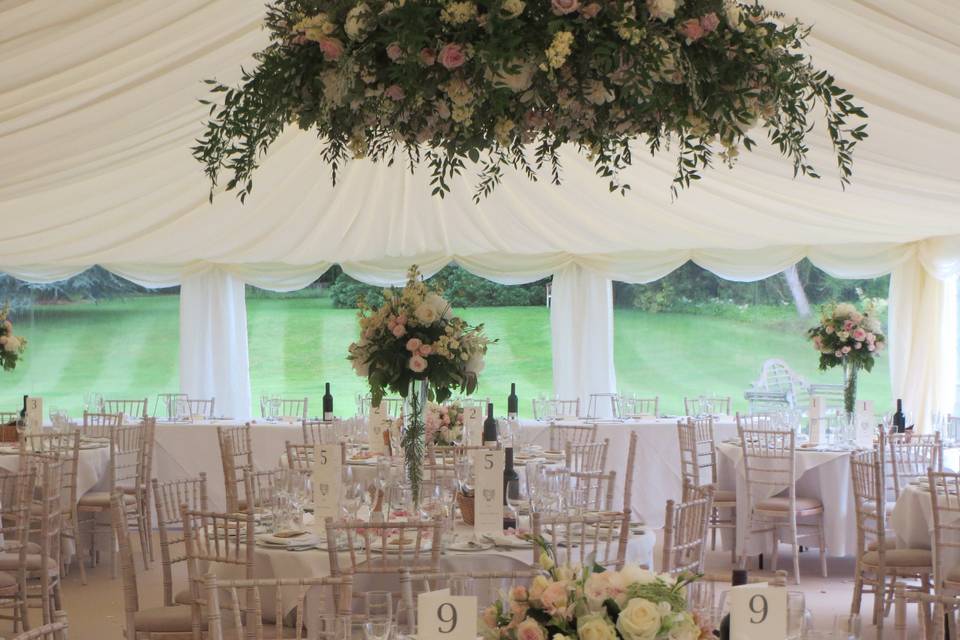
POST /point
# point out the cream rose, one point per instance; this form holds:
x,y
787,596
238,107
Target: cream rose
x,y
554,598
595,626
684,628
13,344
597,589
537,587
635,574
426,314
529,629
662,10
475,364
639,620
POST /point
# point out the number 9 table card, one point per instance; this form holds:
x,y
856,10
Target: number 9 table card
x,y
758,612
441,616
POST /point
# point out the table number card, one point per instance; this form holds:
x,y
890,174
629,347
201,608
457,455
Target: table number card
x,y
34,416
488,491
327,477
866,425
441,616
378,422
815,415
758,612
473,424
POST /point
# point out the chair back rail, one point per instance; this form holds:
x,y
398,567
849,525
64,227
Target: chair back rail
x,y
168,497
685,532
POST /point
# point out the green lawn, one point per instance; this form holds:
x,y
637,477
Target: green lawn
x,y
128,348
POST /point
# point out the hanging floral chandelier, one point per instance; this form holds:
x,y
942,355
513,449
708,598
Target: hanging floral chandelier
x,y
506,83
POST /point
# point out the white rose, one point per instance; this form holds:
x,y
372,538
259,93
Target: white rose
x,y
475,364
662,9
844,310
426,314
635,574
639,620
440,306
356,21
733,13
684,628
872,325
516,82
595,626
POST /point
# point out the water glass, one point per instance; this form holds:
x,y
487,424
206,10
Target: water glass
x,y
799,619
846,627
378,604
377,628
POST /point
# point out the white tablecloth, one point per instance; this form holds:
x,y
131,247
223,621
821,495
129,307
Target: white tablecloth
x,y
656,476
91,468
912,523
820,474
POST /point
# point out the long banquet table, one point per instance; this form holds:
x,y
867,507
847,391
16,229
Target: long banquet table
x,y
185,449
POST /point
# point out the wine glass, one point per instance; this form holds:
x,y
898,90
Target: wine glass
x,y
352,493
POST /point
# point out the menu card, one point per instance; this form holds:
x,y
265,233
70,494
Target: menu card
x,y
327,477
488,491
34,417
378,422
866,423
815,415
473,424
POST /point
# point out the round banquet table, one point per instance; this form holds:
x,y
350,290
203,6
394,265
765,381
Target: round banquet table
x,y
821,473
92,467
912,523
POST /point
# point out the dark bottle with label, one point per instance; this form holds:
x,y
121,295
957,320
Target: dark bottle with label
x,y
327,405
23,413
490,426
512,402
738,579
511,489
899,420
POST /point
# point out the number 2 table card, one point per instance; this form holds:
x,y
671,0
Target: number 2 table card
x,y
327,476
441,616
473,424
758,612
488,491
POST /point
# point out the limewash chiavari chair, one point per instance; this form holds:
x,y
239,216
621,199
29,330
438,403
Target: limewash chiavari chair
x,y
56,630
440,461
706,405
300,456
770,466
125,469
588,457
639,407
911,455
140,488
236,456
262,487
247,620
46,520
698,454
598,488
943,622
556,409
99,425
133,409
755,421
200,407
685,532
168,497
945,503
320,432
16,498
604,535
561,434
384,547
288,408
393,406
141,622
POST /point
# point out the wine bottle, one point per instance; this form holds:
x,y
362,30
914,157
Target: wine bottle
x,y
23,413
511,490
512,402
327,405
739,578
899,420
490,426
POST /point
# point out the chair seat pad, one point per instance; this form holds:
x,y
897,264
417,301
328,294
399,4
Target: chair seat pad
x,y
870,505
183,597
887,544
101,499
164,619
11,562
724,495
901,558
7,581
783,504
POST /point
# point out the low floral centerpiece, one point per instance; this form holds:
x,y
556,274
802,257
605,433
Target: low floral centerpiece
x,y
507,83
11,346
414,346
444,423
848,338
590,603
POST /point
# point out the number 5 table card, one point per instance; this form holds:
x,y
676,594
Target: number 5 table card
x,y
441,616
488,491
327,476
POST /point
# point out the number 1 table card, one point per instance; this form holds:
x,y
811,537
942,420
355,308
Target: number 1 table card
x,y
815,415
488,491
441,616
758,612
327,477
866,428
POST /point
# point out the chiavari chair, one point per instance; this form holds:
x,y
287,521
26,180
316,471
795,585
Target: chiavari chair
x,y
46,520
597,487
706,406
140,488
168,497
944,489
16,500
384,547
685,532
143,622
99,425
698,467
639,407
770,466
320,431
602,536
236,456
556,409
755,421
586,457
262,487
56,630
597,400
133,409
942,623
561,434
294,409
300,456
200,407
393,406
911,455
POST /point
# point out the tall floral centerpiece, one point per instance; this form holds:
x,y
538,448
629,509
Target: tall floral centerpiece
x,y
505,84
848,338
11,346
413,346
590,603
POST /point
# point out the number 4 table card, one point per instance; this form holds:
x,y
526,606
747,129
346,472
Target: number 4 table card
x,y
488,491
441,616
327,477
758,612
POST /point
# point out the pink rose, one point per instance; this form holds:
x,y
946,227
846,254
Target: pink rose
x,y
413,345
417,364
452,56
871,347
847,325
402,319
426,350
858,345
398,330
838,353
490,617
845,350
859,334
709,22
554,598
395,92
590,11
692,30
817,342
518,593
829,329
427,56
331,47
394,52
530,629
563,7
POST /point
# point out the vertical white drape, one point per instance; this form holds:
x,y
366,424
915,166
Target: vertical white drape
x,y
213,340
923,340
581,321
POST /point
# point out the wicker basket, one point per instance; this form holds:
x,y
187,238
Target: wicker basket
x,y
466,508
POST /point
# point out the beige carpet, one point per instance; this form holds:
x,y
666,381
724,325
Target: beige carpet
x,y
96,610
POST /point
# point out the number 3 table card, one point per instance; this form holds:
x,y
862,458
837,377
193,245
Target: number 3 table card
x,y
488,491
327,475
441,616
758,612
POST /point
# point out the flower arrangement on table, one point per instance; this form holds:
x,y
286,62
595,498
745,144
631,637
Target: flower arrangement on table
x,y
848,338
590,603
11,346
414,346
444,423
507,83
